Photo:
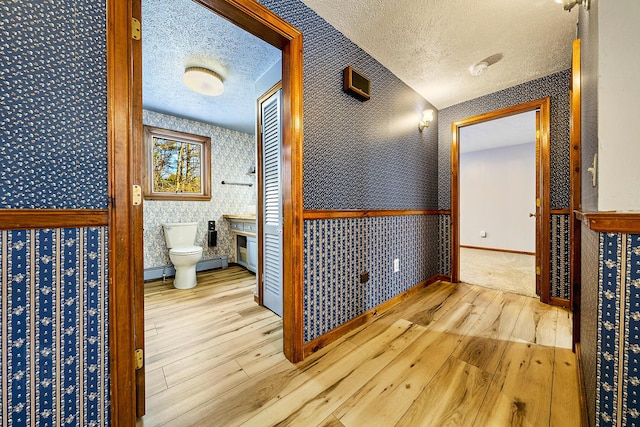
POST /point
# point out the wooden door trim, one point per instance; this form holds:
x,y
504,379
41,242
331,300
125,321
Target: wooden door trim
x,y
575,160
124,139
138,173
545,176
121,252
260,181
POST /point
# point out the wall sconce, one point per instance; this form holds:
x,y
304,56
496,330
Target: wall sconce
x,y
203,81
568,4
427,117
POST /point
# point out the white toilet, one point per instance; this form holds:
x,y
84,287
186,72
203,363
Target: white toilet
x,y
180,238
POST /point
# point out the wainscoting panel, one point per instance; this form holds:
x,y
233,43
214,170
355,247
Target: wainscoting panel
x,y
560,257
54,367
631,350
444,244
337,251
608,328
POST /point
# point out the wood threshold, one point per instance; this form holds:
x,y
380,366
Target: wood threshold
x,y
560,302
365,213
611,222
584,414
510,251
22,219
334,334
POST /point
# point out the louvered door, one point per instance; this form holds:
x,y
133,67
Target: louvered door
x,y
272,204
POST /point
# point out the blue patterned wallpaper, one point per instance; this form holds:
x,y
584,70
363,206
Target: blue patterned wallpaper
x,y
608,327
631,350
53,102
54,367
559,256
589,296
336,251
359,155
232,153
616,355
444,244
555,86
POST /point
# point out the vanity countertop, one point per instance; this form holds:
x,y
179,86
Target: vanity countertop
x,y
240,217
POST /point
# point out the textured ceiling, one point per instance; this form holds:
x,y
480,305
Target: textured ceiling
x,y
430,44
512,130
178,34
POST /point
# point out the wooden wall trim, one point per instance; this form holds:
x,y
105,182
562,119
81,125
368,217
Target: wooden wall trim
x,y
509,251
575,161
21,219
368,213
611,222
584,414
560,302
334,334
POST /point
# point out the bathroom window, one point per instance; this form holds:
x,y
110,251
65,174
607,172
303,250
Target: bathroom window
x,y
178,165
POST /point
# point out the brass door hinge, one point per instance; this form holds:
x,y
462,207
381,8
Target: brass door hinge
x,y
538,202
538,271
139,358
137,195
136,32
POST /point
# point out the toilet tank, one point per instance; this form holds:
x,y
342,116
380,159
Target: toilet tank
x,y
180,234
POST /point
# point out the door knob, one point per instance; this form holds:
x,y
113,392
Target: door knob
x,y
532,214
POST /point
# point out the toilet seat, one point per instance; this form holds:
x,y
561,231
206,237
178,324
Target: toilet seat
x,y
186,250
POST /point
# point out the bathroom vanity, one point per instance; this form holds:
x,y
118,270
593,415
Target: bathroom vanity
x,y
244,227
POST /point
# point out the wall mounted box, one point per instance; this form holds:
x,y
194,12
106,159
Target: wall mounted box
x,y
356,84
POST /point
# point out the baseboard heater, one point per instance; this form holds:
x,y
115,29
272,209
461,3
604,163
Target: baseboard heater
x,y
154,273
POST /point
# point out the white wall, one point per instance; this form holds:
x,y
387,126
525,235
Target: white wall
x,y
497,192
619,105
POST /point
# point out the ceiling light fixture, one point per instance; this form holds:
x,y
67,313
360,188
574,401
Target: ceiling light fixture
x,y
478,68
568,4
203,81
427,117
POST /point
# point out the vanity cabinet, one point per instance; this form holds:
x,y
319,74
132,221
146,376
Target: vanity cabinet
x,y
244,227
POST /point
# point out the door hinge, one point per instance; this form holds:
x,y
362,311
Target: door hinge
x,y
537,134
537,271
137,195
139,358
538,202
136,32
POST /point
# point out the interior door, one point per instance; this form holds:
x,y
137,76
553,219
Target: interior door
x,y
271,125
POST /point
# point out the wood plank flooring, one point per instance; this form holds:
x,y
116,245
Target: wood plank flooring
x,y
456,355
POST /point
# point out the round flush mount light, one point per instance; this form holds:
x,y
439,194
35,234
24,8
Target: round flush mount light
x,y
478,68
203,81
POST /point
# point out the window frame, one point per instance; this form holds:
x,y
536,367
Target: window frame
x,y
151,132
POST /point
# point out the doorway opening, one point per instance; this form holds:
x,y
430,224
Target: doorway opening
x,y
542,190
498,203
125,214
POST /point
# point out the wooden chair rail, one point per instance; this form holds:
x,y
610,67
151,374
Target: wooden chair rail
x,y
21,219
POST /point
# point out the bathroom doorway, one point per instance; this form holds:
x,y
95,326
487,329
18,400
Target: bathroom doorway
x,y
284,37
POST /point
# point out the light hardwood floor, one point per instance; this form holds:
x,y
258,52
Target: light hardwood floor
x,y
456,355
